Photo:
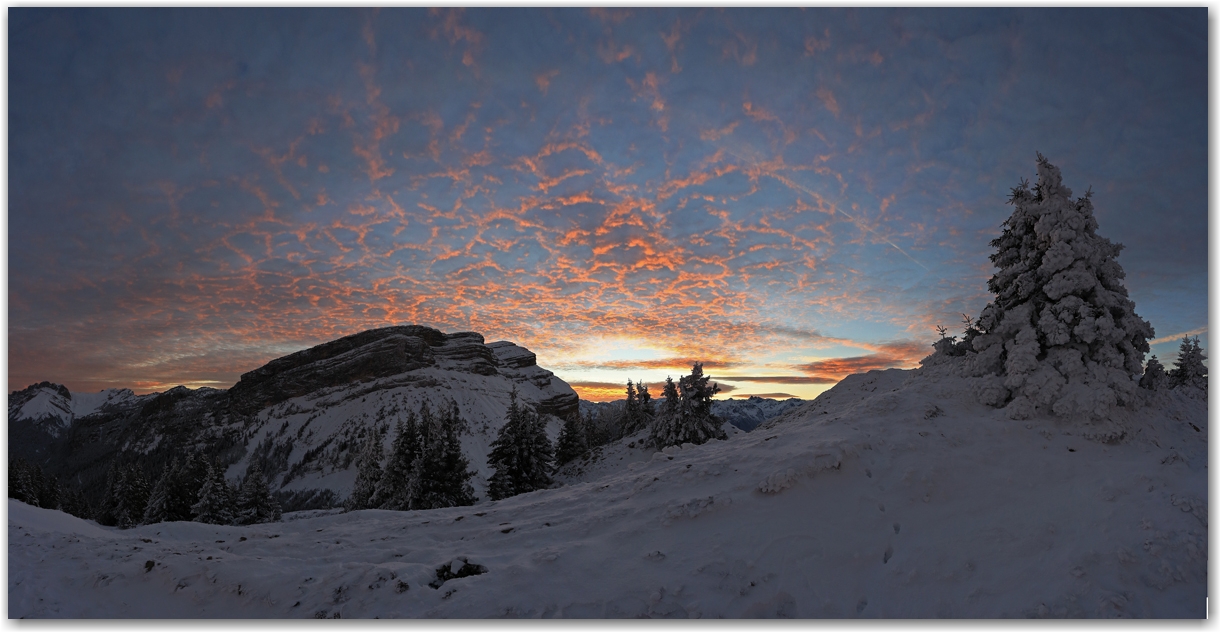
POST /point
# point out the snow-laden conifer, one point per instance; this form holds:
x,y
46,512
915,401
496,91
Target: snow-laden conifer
x,y
255,504
440,476
633,415
1061,335
686,413
157,509
647,408
21,482
394,486
1154,378
368,473
1189,369
216,502
126,497
521,455
572,441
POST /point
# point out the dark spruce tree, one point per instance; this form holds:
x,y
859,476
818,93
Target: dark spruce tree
x,y
368,473
1189,369
130,497
441,474
572,443
157,509
21,481
216,502
633,416
521,455
393,488
647,408
255,504
175,492
1061,334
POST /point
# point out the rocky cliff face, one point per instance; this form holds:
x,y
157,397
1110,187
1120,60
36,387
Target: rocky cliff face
x,y
300,417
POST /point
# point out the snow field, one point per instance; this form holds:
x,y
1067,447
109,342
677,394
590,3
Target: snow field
x,y
892,495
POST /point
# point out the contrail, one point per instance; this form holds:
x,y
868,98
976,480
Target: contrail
x,y
835,208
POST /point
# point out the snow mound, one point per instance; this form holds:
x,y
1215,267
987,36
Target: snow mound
x,y
895,494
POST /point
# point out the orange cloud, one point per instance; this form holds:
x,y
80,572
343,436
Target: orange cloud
x,y
884,356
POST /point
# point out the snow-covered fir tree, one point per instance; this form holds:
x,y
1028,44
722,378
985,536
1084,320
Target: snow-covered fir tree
x,y
1154,378
1060,335
175,492
440,475
666,426
394,487
21,484
647,408
255,504
521,455
104,511
125,498
1189,369
368,473
686,414
572,442
633,415
157,509
216,501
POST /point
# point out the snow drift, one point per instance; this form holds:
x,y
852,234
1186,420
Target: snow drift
x,y
894,494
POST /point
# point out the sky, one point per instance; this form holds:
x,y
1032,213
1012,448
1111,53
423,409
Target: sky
x,y
788,196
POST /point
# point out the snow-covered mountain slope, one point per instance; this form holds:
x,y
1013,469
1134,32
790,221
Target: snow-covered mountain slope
x,y
53,408
748,414
302,417
895,494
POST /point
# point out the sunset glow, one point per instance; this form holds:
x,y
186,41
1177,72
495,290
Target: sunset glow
x,y
786,196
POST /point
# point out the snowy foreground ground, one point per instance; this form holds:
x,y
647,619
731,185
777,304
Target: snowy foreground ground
x,y
892,495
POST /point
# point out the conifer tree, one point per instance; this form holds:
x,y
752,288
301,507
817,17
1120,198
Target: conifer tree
x,y
521,455
20,482
216,502
686,414
114,483
157,509
666,429
393,488
48,497
1154,375
182,489
1189,369
647,408
440,476
255,504
572,440
130,497
1061,333
633,418
456,470
368,473
540,452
